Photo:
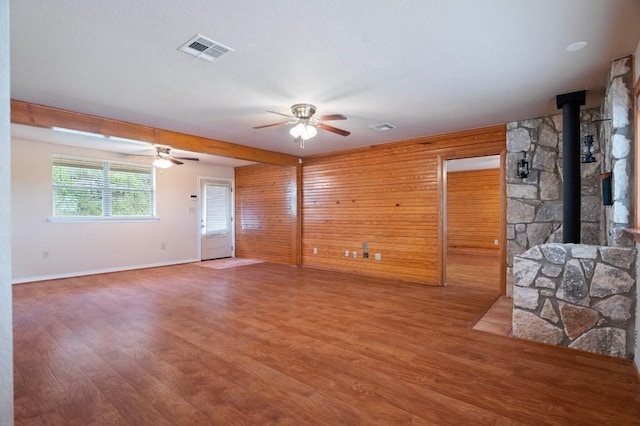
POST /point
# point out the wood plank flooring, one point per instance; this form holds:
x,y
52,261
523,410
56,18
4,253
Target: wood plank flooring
x,y
474,270
497,319
272,344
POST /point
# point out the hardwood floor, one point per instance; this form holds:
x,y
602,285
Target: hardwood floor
x,y
497,319
474,270
272,344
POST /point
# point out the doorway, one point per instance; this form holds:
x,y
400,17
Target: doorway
x,y
216,219
472,201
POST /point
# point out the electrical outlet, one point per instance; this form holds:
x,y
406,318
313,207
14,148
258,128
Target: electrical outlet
x,y
315,250
45,255
377,256
365,255
354,253
346,253
495,242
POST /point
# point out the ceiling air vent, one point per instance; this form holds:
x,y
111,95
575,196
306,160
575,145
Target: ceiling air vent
x,y
204,48
382,127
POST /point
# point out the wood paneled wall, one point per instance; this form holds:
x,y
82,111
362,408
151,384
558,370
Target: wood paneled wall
x,y
266,213
473,211
388,196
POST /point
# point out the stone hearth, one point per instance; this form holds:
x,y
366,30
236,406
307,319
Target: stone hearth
x,y
576,295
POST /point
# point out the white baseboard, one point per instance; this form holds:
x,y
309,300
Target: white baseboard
x,y
100,271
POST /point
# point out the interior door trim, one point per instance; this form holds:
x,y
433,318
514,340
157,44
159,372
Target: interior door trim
x,y
442,210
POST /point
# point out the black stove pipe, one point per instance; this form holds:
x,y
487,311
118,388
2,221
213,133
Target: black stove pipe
x,y
570,104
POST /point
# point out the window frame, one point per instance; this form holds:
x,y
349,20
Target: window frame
x,y
635,231
106,167
636,136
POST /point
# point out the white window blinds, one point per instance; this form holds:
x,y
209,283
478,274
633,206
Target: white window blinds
x,y
217,211
95,188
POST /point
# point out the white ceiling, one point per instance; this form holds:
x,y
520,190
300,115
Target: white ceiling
x,y
425,66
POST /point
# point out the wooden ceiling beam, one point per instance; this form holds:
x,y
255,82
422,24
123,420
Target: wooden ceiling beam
x,y
42,116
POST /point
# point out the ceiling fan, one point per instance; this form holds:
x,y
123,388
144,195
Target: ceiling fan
x,y
306,124
164,159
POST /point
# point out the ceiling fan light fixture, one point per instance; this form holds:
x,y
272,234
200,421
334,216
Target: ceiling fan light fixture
x,y
303,130
162,162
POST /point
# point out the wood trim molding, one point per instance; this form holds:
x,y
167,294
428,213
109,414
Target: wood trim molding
x,y
42,116
503,222
296,223
441,177
636,149
449,154
635,233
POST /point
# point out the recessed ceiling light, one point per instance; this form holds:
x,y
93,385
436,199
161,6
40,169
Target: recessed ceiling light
x,y
578,45
383,127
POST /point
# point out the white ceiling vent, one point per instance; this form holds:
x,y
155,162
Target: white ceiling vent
x,y
204,48
383,127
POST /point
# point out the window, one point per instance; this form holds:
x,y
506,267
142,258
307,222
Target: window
x,y
216,209
96,189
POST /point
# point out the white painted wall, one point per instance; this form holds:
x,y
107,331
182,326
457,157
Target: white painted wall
x,y
6,328
83,248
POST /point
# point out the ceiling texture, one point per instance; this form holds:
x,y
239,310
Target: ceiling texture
x,y
425,66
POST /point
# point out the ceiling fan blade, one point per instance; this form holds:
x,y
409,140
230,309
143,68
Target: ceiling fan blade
x,y
333,129
331,117
187,158
270,125
279,113
176,162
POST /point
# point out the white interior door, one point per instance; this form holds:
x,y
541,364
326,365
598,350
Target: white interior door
x,y
216,220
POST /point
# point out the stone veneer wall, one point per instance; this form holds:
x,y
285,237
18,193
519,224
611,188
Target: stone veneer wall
x,y
575,295
585,301
616,134
534,204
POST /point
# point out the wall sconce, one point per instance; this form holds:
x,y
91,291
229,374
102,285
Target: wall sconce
x,y
523,166
588,150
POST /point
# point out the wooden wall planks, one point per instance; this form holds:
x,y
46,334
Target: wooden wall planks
x,y
387,196
266,212
473,211
473,223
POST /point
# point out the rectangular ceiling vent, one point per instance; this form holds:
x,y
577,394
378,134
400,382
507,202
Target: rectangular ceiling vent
x,y
204,48
383,127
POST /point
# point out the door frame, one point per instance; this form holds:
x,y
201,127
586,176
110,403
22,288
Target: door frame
x,y
442,157
231,181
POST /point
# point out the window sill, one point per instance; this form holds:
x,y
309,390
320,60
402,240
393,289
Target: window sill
x,y
635,233
102,219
